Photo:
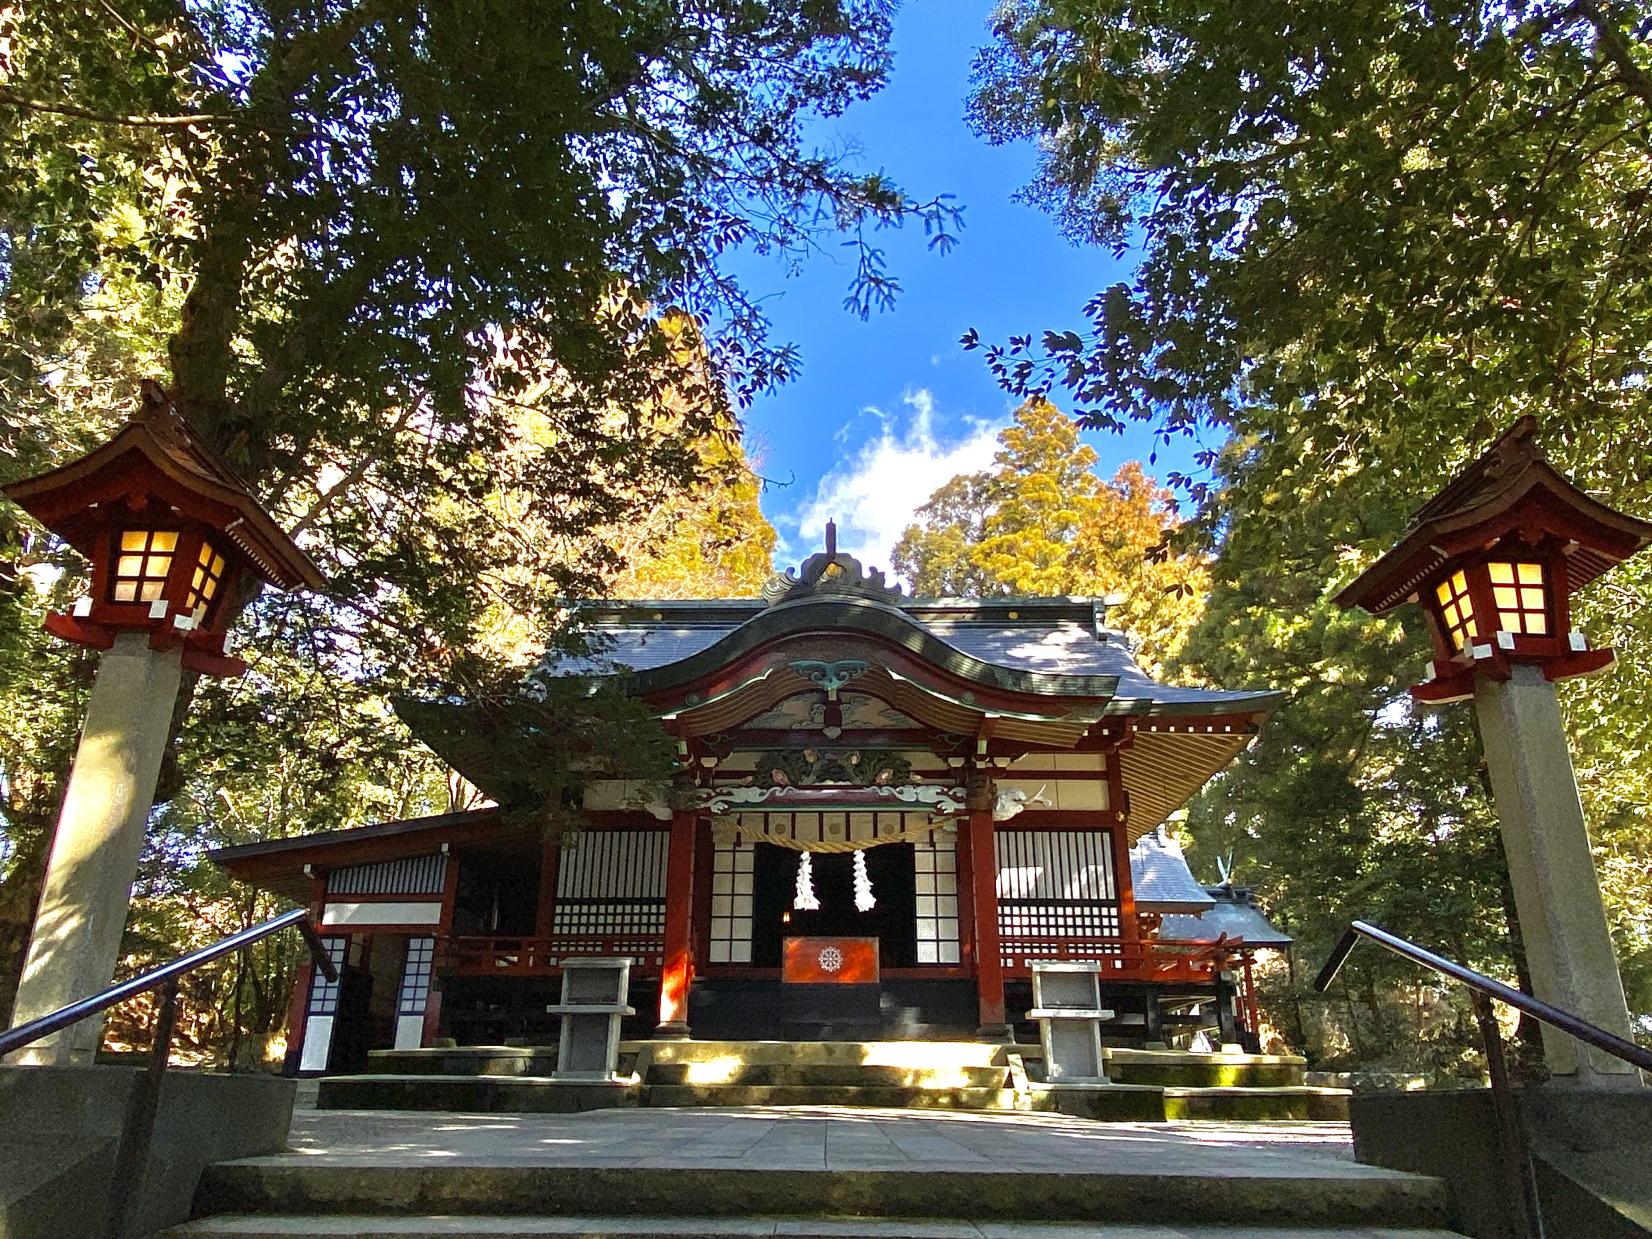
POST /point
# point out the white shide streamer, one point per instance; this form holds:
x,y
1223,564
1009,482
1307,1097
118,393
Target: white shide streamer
x,y
864,902
804,899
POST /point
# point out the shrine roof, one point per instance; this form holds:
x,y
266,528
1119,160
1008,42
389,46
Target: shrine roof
x,y
1234,913
1036,674
279,864
1049,644
1161,879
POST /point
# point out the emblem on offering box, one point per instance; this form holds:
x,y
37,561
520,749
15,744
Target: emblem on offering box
x,y
830,961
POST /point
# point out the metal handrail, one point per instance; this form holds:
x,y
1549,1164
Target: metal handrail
x,y
1565,1021
24,1034
138,1128
1514,1151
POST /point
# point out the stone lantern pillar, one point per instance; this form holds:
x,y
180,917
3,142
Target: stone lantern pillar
x,y
171,535
1493,560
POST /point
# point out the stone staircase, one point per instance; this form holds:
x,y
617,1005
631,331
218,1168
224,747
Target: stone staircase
x,y
804,1174
1143,1085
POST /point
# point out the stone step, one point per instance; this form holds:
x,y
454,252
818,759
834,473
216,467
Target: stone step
x,y
882,1096
945,1076
1149,1103
471,1094
1107,1102
315,1226
1257,1104
1173,1069
911,1054
1266,1199
469,1060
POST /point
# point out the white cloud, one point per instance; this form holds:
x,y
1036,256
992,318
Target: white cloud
x,y
873,497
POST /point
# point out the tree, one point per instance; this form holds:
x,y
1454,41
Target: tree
x,y
936,556
1371,237
390,228
713,542
1042,522
397,260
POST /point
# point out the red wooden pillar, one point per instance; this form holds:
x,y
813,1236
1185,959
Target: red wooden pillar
x,y
1118,800
1253,1015
298,1010
550,862
444,937
1129,919
678,972
989,961
965,883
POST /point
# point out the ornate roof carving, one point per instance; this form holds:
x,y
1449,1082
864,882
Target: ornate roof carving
x,y
830,572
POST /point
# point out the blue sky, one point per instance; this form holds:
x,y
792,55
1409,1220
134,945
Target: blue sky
x,y
887,409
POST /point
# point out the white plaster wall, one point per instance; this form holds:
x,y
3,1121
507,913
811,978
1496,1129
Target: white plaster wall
x,y
409,1032
376,913
318,1043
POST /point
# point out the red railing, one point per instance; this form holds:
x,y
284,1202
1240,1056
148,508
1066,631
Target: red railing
x,y
1161,961
517,957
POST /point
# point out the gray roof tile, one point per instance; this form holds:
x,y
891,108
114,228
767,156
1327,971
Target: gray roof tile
x,y
1046,638
1234,915
1161,879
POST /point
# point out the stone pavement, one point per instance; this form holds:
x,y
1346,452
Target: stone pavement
x,y
808,1173
811,1138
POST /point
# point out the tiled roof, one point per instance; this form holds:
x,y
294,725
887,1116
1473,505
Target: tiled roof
x,y
1234,914
1161,879
1055,636
638,647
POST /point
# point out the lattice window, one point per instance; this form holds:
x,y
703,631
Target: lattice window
x,y
1056,884
411,875
142,566
415,992
612,882
1457,608
203,586
935,898
731,898
1522,598
324,993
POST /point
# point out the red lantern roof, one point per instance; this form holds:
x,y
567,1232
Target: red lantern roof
x,y
158,454
1510,489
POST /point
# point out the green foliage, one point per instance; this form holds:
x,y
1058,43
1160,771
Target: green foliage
x,y
410,268
1042,523
414,252
711,541
1372,236
533,742
937,555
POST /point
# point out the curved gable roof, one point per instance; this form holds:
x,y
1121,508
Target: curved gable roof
x,y
1051,647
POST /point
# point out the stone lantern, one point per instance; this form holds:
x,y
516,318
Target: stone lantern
x,y
1493,560
171,535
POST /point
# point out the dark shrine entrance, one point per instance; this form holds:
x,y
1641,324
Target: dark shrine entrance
x,y
892,922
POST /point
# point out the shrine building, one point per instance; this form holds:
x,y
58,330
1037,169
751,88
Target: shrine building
x,y
887,809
